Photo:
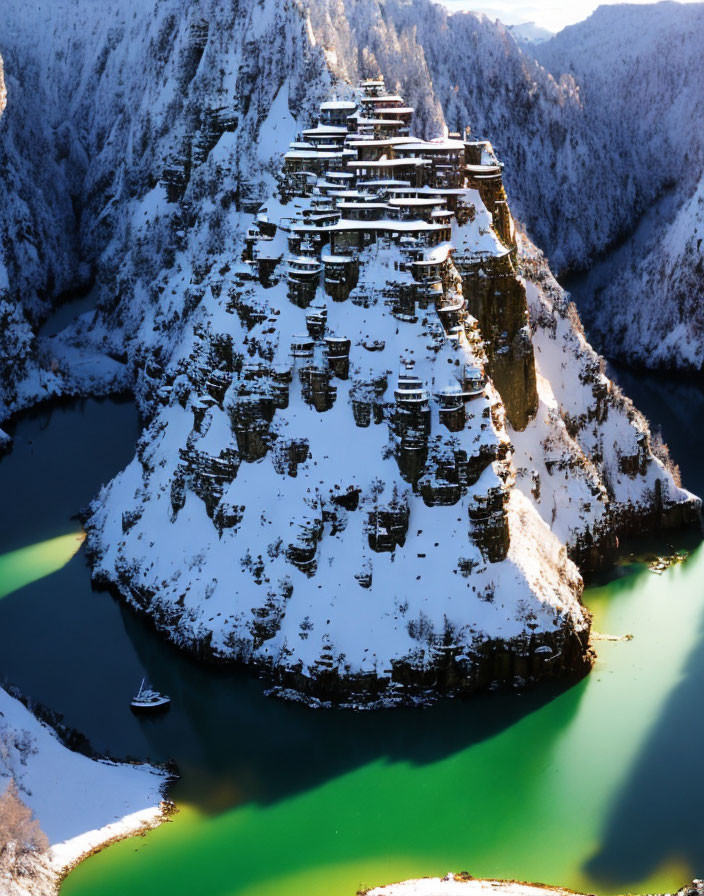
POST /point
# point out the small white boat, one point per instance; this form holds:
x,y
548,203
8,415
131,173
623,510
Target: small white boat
x,y
149,700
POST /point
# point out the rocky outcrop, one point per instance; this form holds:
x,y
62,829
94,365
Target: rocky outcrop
x,y
497,299
358,439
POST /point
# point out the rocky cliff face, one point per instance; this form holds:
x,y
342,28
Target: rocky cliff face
x,y
377,294
384,409
350,324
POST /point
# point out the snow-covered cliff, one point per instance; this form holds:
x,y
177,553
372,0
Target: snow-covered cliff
x,y
177,118
377,294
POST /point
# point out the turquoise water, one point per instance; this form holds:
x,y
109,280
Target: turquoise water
x,y
595,786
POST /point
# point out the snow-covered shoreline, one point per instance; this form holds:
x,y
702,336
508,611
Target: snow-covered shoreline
x,y
82,804
66,856
463,884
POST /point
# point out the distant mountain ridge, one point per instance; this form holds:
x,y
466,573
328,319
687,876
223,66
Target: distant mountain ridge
x,y
642,69
593,125
530,33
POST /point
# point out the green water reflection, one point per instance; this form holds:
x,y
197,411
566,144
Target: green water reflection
x,y
533,801
26,565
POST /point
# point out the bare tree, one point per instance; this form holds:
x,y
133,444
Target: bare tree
x,y
20,833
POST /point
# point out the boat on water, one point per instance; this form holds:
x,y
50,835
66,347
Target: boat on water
x,y
149,700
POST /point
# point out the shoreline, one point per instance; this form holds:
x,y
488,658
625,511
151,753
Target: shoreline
x,y
65,857
463,884
82,803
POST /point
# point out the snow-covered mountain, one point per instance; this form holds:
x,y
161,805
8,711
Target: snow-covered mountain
x,y
247,528
618,111
176,118
640,71
530,33
640,67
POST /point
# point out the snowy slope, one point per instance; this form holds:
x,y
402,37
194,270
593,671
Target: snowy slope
x,y
530,33
80,803
616,112
656,306
640,71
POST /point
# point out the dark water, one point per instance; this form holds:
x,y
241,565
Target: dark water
x,y
75,304
596,786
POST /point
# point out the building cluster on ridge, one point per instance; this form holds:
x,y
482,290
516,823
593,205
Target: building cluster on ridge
x,y
351,387
355,180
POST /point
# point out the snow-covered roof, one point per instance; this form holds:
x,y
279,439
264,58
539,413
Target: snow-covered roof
x,y
304,260
312,154
387,184
445,145
389,122
403,202
348,205
356,143
392,226
388,163
325,129
332,105
484,170
389,97
394,110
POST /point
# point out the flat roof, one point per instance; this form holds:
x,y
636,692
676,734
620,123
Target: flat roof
x,y
435,145
377,121
386,141
348,194
337,104
413,201
312,154
395,110
483,169
388,184
362,205
386,97
432,191
384,224
326,129
388,163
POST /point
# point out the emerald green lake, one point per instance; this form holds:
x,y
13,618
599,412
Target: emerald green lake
x,y
596,786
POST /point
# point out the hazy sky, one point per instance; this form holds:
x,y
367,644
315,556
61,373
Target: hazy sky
x,y
545,13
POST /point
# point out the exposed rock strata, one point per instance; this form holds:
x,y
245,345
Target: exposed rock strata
x,y
326,338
